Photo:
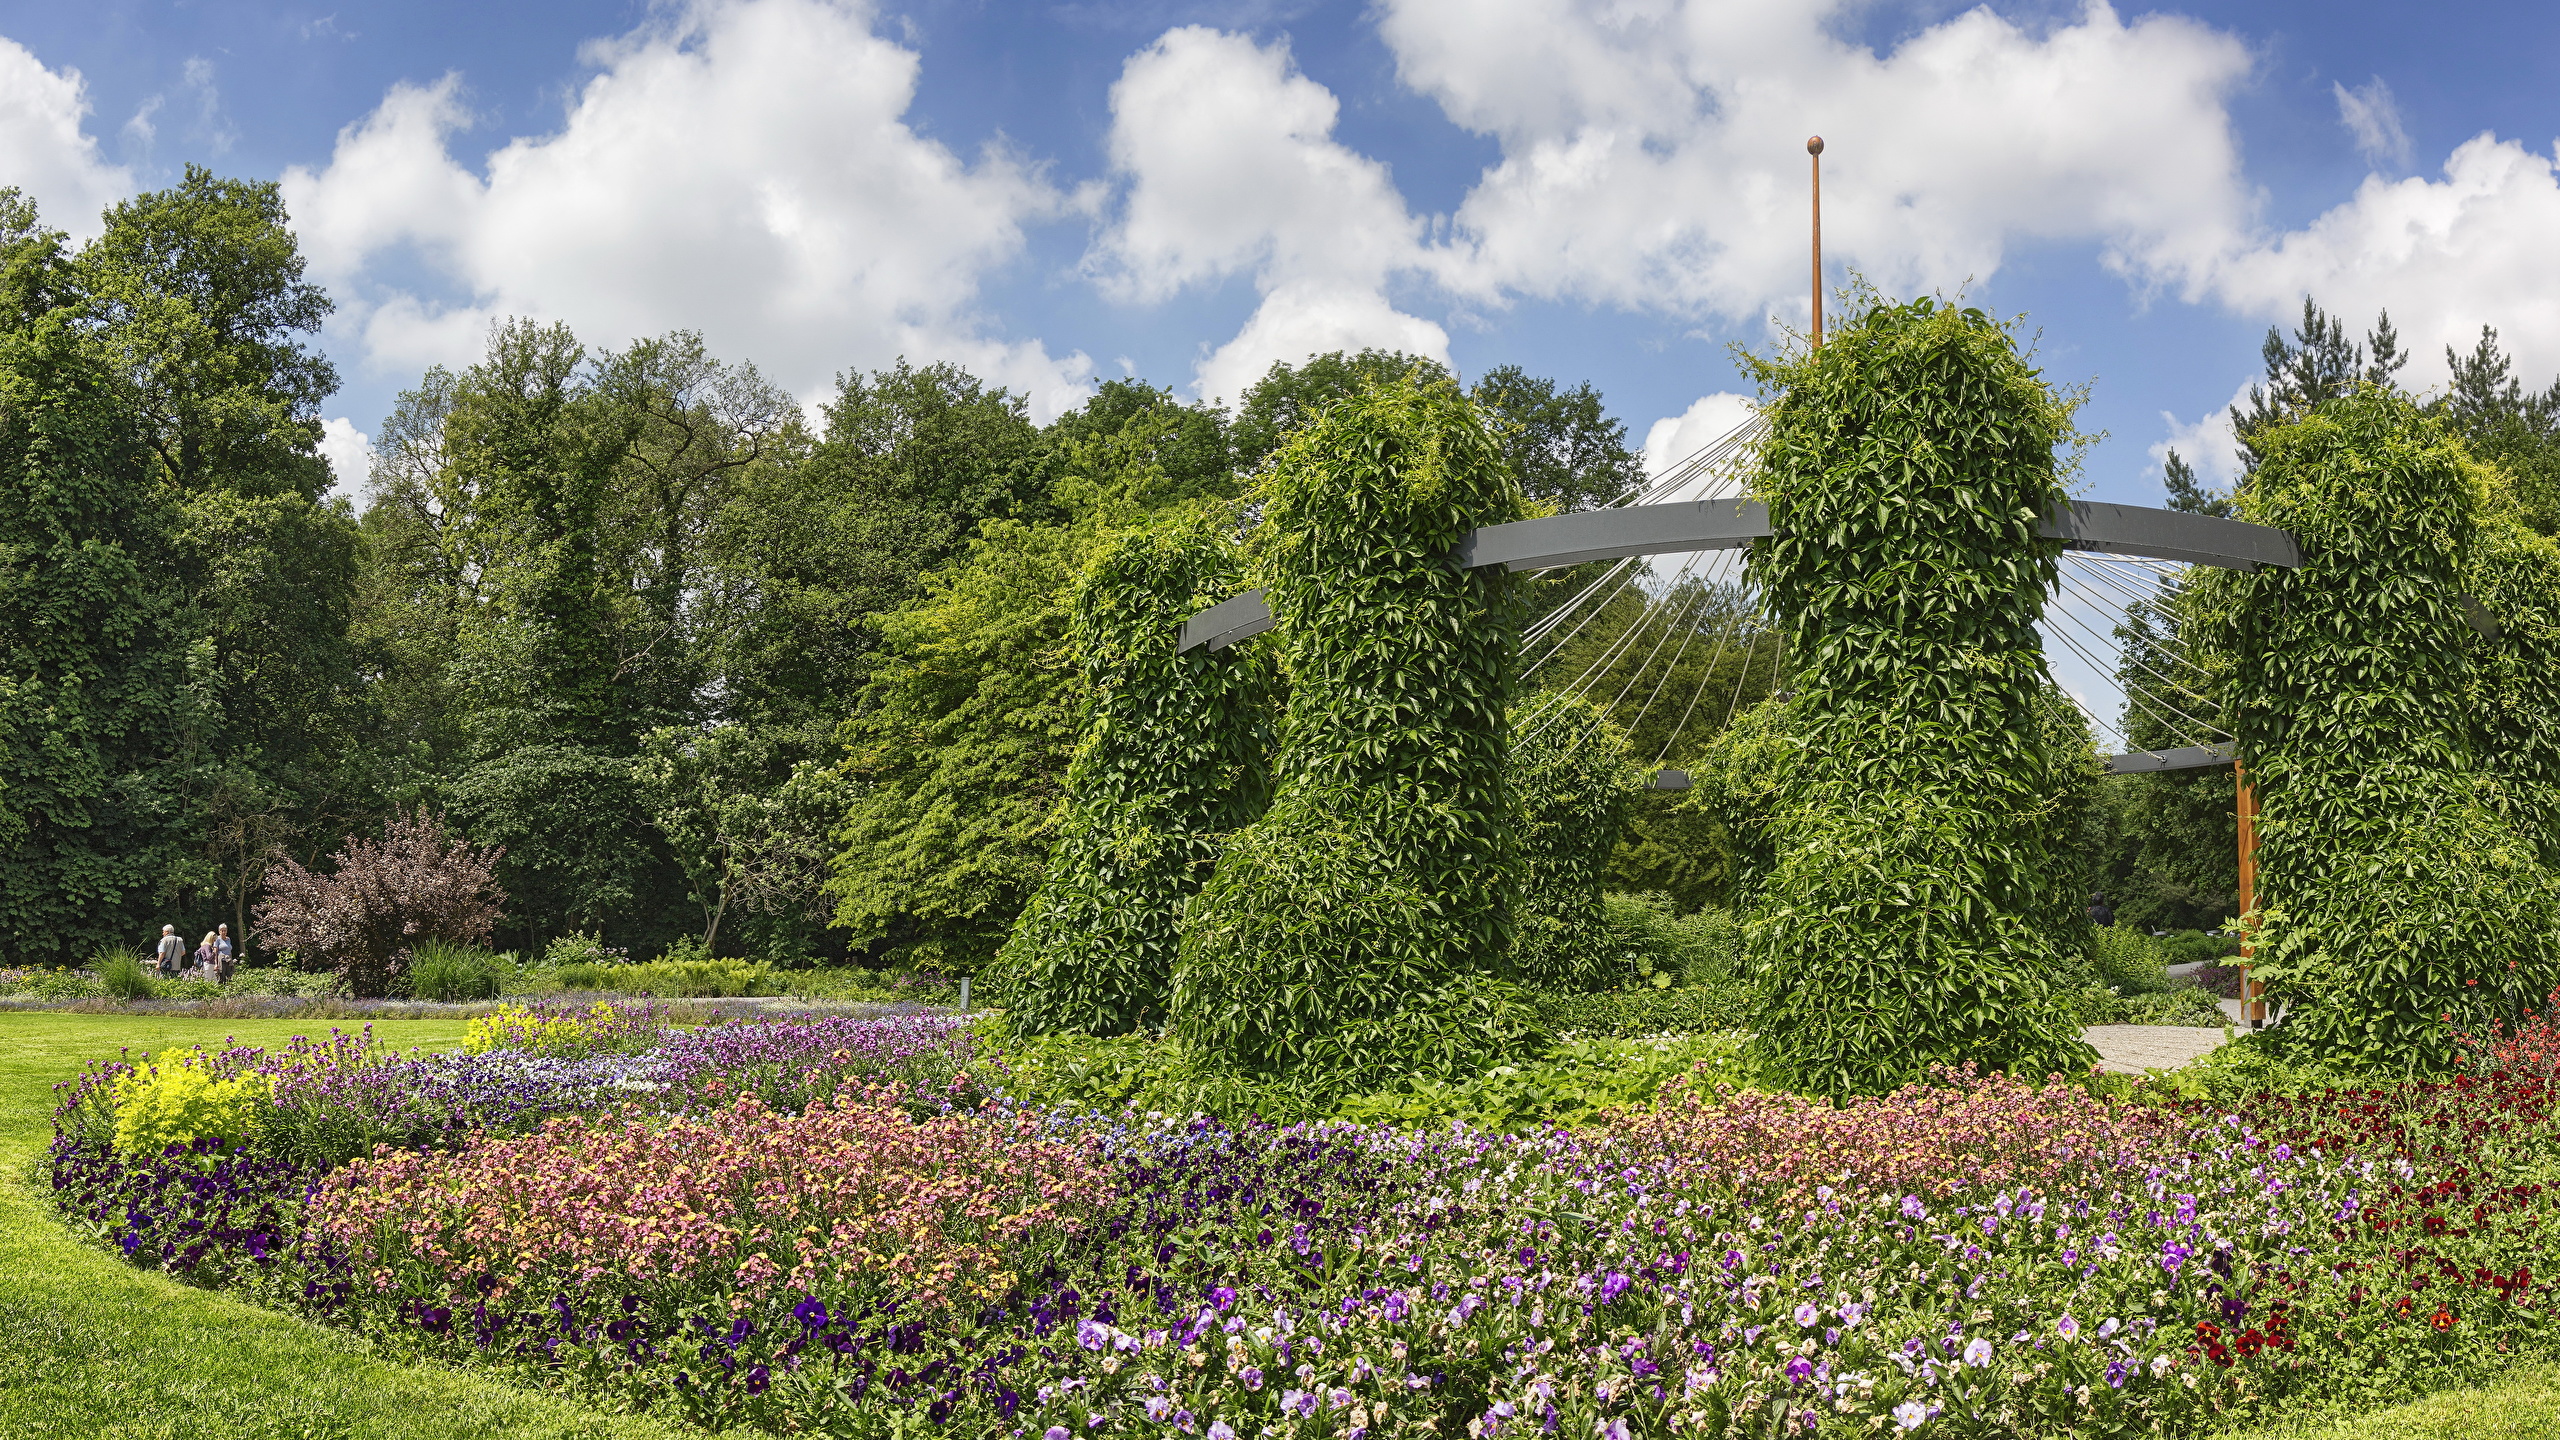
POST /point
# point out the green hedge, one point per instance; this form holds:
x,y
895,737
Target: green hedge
x,y
1697,1010
1174,755
1911,912
1379,883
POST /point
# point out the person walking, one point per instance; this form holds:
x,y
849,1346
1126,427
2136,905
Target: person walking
x,y
173,952
204,953
223,950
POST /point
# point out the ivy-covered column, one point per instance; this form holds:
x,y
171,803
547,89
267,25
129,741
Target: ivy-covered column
x,y
1377,888
2398,900
1174,756
1911,913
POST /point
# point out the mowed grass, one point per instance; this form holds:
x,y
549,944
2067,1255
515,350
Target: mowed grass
x,y
90,1347
2525,1405
93,1348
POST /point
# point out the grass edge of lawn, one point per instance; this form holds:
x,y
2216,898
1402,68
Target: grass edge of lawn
x,y
95,1347
2523,1404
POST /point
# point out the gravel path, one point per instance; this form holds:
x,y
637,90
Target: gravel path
x,y
2132,1049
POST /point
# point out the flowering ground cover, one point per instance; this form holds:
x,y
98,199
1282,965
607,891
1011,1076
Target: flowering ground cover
x,y
857,1231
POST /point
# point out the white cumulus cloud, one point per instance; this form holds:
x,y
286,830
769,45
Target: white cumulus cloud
x,y
1230,167
2445,256
2207,443
1675,438
1653,153
742,167
44,150
349,452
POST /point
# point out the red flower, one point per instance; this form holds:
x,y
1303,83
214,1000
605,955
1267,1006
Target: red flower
x,y
2442,1319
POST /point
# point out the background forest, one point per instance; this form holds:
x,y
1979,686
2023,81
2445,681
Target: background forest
x,y
787,686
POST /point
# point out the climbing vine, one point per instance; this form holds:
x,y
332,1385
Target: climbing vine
x,y
1907,913
1376,891
2398,898
1173,757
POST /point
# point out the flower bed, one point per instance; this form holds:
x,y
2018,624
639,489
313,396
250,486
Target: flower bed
x,y
842,1228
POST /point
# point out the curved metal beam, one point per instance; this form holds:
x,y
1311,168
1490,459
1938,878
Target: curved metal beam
x,y
2185,757
1557,540
1693,525
1227,622
2170,535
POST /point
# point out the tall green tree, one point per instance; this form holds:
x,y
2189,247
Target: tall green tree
x,y
2516,429
959,747
196,297
94,649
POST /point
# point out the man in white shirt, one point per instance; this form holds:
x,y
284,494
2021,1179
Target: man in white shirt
x,y
173,951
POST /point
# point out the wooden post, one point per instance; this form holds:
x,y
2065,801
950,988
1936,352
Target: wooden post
x,y
1813,147
2253,1011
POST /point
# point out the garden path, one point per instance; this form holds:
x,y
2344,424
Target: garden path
x,y
2132,1049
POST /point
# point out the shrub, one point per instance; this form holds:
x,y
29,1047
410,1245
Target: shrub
x,y
1650,943
694,979
1172,758
1573,1082
579,948
2192,947
604,1029
1382,872
1915,909
415,884
1568,781
179,1099
440,971
2130,961
122,974
1624,1014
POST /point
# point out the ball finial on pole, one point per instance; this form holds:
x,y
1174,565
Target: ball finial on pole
x,y
1813,147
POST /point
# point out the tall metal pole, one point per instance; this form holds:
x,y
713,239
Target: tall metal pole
x,y
2253,1011
1813,147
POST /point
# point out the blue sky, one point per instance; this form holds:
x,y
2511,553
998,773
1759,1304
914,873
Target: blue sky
x,y
1610,191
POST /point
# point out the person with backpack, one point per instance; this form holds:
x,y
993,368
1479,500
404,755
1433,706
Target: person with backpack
x,y
204,953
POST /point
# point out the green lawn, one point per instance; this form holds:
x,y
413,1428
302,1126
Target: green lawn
x,y
90,1347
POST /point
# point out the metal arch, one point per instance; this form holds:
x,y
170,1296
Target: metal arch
x,y
1693,525
2185,757
1227,622
2170,535
1683,526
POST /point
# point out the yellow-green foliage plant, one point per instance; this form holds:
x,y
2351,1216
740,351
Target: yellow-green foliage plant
x,y
1375,894
1569,781
1174,757
597,1030
177,1099
2398,899
1909,914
